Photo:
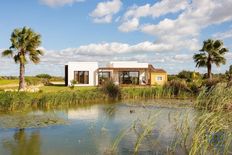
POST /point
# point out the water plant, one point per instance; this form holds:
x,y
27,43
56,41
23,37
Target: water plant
x,y
111,89
216,98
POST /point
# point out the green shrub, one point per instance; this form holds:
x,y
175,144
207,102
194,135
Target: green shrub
x,y
44,76
194,87
113,91
33,81
177,86
172,77
73,82
210,83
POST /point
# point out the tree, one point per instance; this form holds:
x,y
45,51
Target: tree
x,y
44,76
24,45
212,52
229,73
188,75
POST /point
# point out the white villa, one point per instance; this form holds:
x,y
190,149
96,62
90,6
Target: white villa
x,y
121,72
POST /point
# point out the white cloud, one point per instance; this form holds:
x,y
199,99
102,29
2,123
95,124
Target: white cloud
x,y
154,53
58,3
198,15
104,52
104,11
228,55
223,35
130,25
117,48
183,31
182,58
159,8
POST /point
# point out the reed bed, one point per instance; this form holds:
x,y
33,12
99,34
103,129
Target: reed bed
x,y
19,100
10,101
216,98
203,133
212,134
155,93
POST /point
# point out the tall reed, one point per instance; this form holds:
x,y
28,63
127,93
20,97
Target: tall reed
x,y
216,98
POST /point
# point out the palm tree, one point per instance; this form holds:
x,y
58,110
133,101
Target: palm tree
x,y
24,45
212,52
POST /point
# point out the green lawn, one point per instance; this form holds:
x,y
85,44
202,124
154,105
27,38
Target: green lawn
x,y
58,88
8,82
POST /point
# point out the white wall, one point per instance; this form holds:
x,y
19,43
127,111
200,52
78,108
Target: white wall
x,y
127,64
92,67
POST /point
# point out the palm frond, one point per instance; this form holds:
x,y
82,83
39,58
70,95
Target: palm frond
x,y
7,53
35,59
223,50
217,44
40,52
16,58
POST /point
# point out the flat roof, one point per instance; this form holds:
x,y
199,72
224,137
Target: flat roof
x,y
121,69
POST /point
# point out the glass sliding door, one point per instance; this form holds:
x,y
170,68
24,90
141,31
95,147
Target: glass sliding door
x,y
82,77
129,77
103,77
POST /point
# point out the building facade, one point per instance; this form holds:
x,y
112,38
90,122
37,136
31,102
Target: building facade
x,y
121,72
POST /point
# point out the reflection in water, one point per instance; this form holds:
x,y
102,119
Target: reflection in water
x,y
23,143
99,129
110,111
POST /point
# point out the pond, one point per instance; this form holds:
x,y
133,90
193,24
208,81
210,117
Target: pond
x,y
120,128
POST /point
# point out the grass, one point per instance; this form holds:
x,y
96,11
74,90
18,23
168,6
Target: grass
x,y
59,88
8,82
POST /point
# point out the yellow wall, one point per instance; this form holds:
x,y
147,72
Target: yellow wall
x,y
155,81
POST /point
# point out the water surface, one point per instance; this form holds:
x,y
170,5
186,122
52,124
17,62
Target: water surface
x,y
95,129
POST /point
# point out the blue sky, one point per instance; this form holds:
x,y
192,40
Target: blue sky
x,y
164,33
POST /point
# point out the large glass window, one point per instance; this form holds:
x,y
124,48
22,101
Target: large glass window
x,y
103,76
127,77
82,77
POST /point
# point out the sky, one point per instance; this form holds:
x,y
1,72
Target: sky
x,y
164,33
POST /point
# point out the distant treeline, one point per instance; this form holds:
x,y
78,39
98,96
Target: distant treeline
x,y
42,76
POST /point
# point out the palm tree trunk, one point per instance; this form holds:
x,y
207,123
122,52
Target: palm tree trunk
x,y
209,66
21,77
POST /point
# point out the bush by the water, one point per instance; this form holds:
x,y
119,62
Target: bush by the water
x,y
177,87
111,89
210,83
